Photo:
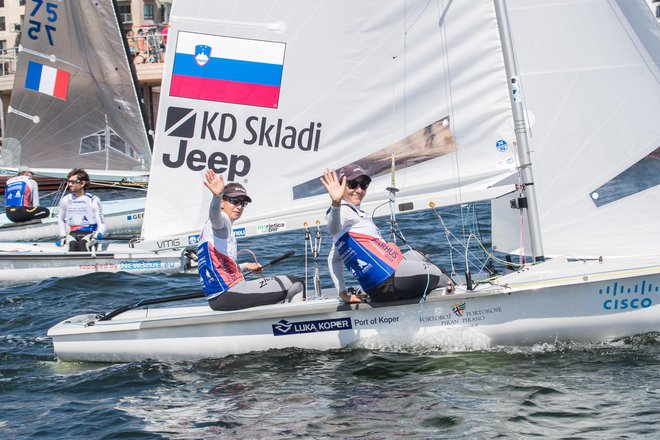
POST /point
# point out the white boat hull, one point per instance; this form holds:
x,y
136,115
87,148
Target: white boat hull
x,y
22,262
122,217
590,302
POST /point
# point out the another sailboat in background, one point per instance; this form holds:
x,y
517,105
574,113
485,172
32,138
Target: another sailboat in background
x,y
438,86
88,115
75,104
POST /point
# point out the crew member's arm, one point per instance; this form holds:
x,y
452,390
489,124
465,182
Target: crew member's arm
x,y
254,267
335,190
219,220
340,219
61,222
334,220
336,269
35,193
101,227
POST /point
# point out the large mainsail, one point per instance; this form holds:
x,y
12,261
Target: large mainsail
x,y
592,90
273,92
74,101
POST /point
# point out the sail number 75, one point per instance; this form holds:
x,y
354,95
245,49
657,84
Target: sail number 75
x,y
35,26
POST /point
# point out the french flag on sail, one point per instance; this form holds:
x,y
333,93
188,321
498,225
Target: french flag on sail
x,y
48,80
227,69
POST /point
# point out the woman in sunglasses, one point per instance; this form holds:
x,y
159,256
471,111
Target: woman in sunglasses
x,y
383,272
81,212
220,274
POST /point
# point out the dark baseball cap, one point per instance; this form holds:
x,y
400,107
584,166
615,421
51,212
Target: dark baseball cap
x,y
236,190
352,171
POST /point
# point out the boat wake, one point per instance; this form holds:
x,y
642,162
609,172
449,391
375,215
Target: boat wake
x,y
460,340
447,340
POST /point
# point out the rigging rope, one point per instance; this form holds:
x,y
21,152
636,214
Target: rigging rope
x,y
315,248
464,250
57,198
253,256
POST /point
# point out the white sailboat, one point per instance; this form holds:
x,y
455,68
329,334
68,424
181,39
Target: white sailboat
x,y
438,85
75,104
91,117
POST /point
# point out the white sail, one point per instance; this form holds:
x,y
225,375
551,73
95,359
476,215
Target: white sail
x,y
345,82
74,102
592,86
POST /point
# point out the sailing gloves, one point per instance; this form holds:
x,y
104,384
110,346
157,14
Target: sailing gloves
x,y
95,236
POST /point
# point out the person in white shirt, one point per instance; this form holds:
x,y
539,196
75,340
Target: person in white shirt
x,y
220,275
81,212
381,269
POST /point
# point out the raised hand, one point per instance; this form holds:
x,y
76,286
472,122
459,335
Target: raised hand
x,y
334,186
214,182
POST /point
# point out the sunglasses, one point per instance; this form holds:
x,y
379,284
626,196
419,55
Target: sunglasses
x,y
353,184
74,181
236,201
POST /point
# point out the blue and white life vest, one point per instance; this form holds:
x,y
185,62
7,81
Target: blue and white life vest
x,y
18,192
216,262
370,259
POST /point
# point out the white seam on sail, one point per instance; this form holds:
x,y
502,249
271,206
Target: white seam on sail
x,y
52,58
277,26
34,118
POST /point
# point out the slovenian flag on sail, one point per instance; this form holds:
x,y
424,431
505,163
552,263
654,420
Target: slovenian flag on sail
x,y
227,69
48,80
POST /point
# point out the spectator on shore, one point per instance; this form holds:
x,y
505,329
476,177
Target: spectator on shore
x,y
141,41
130,38
164,32
140,58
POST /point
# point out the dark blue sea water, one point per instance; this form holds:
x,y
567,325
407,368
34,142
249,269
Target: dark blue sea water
x,y
570,391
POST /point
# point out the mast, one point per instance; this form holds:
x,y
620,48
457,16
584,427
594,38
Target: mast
x,y
106,137
528,201
146,121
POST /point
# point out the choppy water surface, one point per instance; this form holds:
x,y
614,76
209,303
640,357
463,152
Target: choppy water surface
x,y
434,391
